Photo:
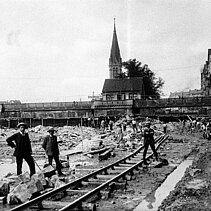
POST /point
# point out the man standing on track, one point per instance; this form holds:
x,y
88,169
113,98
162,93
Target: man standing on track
x,y
21,142
50,145
148,134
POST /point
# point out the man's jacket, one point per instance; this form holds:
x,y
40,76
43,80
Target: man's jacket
x,y
50,145
148,134
21,143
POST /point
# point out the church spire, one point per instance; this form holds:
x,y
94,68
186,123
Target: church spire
x,y
115,60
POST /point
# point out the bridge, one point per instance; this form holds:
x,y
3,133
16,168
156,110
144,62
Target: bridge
x,y
105,108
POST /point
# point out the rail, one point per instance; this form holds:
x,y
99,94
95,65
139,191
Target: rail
x,y
79,181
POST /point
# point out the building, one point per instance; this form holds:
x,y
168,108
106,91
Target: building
x,y
206,76
190,93
115,60
117,88
205,83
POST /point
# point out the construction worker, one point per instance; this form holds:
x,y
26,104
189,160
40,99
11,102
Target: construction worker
x,y
134,125
119,133
111,123
165,128
21,142
148,134
50,145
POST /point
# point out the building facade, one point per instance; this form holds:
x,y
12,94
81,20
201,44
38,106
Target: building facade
x,y
205,83
206,76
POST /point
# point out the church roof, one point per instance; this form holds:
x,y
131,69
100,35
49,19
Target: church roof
x,y
123,85
115,52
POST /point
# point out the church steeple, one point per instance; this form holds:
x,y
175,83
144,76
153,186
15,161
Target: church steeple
x,y
115,60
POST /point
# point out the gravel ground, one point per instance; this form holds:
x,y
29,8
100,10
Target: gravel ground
x,y
146,181
193,192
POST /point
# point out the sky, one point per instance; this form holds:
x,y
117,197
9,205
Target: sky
x,y
58,50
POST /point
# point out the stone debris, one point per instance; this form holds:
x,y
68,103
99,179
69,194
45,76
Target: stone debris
x,y
72,140
196,184
4,188
20,194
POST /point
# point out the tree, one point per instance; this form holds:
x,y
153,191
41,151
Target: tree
x,y
121,75
152,85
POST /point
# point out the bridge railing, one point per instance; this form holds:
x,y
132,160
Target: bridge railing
x,y
114,103
48,106
173,102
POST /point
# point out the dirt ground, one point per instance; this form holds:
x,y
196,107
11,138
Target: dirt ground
x,y
192,193
148,180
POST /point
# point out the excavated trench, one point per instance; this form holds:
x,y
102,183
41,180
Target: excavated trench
x,y
154,199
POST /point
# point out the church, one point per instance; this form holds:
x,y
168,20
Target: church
x,y
116,88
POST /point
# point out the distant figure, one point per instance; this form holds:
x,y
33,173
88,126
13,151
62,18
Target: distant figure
x,y
124,126
50,145
119,133
203,128
89,122
102,124
111,123
134,125
21,142
165,128
148,134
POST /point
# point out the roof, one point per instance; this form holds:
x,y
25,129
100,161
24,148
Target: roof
x,y
123,85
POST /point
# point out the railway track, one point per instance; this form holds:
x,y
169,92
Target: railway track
x,y
78,194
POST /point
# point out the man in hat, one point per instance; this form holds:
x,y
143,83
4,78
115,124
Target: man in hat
x,y
148,134
50,145
21,142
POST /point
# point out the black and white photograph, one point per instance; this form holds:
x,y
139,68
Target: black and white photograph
x,y
105,105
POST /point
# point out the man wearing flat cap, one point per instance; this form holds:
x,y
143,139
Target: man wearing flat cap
x,y
50,145
21,142
148,134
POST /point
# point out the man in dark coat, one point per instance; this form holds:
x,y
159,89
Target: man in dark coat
x,y
21,142
50,145
148,134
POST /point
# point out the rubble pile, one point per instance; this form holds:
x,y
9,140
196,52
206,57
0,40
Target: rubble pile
x,y
22,188
92,144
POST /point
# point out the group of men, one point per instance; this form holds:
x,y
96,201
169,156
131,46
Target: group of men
x,y
23,150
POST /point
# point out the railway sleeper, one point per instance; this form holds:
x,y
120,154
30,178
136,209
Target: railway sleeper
x,y
137,159
120,168
72,192
104,176
115,171
125,165
92,183
54,204
59,196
